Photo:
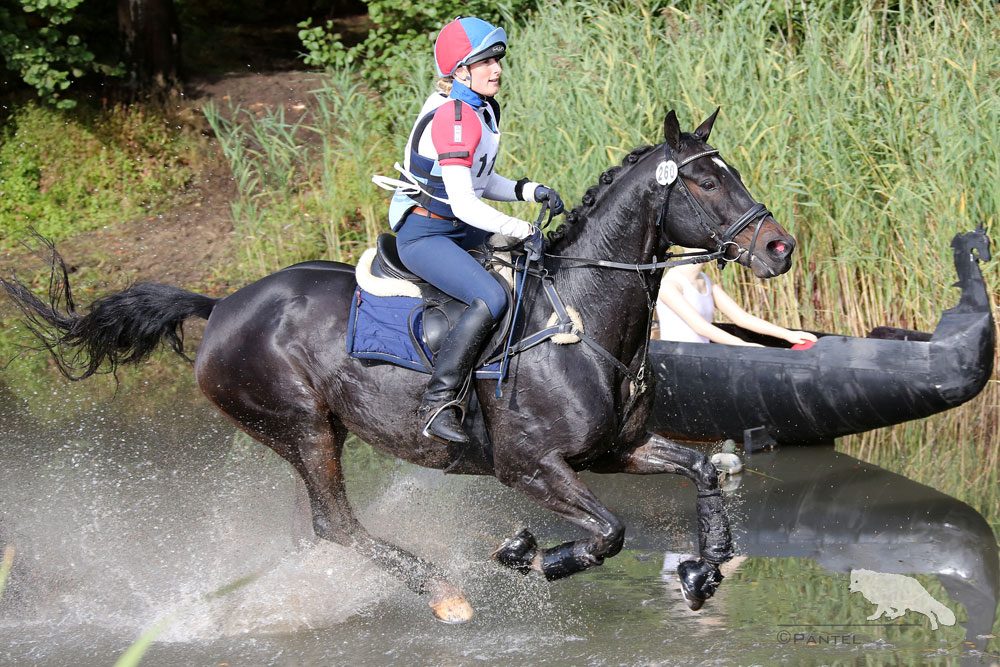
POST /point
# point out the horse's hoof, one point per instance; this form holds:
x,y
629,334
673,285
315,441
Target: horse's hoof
x,y
449,605
699,581
518,552
452,611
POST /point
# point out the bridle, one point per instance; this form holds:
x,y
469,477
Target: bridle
x,y
668,174
669,170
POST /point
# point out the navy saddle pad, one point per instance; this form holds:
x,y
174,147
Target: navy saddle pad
x,y
390,329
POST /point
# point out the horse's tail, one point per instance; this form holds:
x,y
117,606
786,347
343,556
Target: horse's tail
x,y
122,328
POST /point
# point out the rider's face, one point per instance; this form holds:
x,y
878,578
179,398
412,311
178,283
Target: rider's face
x,y
484,77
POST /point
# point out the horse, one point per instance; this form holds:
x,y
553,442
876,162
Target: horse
x,y
273,360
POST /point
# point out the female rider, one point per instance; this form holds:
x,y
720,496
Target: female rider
x,y
438,213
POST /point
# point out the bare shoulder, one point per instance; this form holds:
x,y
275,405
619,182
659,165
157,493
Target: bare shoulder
x,y
669,286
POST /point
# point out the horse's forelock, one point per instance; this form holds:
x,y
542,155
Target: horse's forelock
x,y
575,218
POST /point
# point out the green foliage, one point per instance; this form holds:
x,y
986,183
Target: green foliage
x,y
65,174
323,47
402,33
40,40
305,188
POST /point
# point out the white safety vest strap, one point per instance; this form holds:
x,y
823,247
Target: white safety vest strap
x,y
410,187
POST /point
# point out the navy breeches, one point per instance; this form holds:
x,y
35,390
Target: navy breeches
x,y
436,250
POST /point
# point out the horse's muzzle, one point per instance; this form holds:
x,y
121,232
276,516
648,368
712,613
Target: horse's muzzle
x,y
772,253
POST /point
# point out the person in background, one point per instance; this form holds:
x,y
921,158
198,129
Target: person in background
x,y
438,212
688,300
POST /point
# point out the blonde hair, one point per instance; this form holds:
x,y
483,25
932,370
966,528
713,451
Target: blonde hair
x,y
443,85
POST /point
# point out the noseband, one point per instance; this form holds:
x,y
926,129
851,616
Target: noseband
x,y
669,170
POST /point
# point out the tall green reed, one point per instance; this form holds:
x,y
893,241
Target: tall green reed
x,y
305,186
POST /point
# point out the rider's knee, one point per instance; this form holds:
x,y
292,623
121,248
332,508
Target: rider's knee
x,y
496,301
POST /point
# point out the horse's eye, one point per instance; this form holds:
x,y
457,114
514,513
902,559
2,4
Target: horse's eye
x,y
708,185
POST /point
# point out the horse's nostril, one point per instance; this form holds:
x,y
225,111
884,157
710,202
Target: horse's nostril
x,y
778,248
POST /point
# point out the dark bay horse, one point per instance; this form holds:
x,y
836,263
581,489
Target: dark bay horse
x,y
274,360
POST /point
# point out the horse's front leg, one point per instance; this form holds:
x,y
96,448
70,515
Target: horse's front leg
x,y
701,578
554,485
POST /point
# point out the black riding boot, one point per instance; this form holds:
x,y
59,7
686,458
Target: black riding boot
x,y
439,410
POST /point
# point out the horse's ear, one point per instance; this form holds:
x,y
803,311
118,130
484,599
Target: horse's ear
x,y
705,129
672,131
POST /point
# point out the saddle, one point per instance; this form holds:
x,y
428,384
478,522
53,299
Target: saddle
x,y
440,311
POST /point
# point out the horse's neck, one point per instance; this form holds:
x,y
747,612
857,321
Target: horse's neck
x,y
613,302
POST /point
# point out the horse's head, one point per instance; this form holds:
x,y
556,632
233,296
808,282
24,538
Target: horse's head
x,y
707,206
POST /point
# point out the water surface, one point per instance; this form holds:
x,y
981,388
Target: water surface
x,y
119,523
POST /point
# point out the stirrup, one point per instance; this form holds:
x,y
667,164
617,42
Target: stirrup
x,y
459,405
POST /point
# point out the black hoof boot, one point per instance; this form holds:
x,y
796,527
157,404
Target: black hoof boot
x,y
568,558
518,552
442,424
714,536
699,581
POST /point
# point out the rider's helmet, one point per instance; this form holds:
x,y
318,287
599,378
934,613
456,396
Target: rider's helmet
x,y
467,40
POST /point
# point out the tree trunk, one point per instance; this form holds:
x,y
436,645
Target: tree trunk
x,y
151,45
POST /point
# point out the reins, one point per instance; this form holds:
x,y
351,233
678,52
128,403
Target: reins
x,y
517,302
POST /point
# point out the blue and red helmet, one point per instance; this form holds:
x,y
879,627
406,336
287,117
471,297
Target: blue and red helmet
x,y
465,41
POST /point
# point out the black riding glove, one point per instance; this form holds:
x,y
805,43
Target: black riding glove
x,y
534,245
543,193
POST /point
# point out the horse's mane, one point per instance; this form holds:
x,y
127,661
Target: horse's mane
x,y
573,220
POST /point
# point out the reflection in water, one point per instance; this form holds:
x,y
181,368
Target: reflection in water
x,y
813,502
121,522
846,514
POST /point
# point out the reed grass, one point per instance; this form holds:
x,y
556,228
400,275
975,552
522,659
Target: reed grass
x,y
134,654
871,130
305,189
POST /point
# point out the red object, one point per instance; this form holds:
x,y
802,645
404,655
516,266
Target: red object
x,y
805,345
451,46
456,139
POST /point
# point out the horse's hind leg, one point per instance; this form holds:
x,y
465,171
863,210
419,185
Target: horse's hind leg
x,y
699,579
315,452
